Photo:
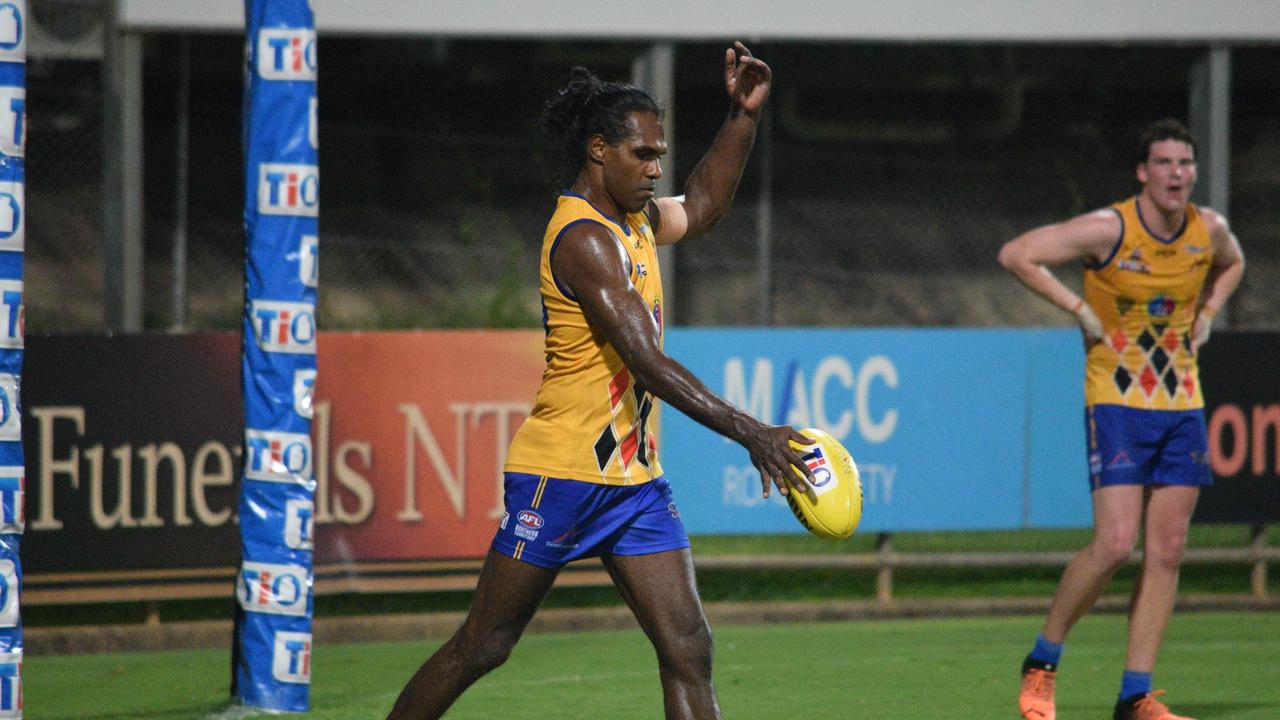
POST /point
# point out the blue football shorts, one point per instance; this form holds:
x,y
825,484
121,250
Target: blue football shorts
x,y
1135,446
550,522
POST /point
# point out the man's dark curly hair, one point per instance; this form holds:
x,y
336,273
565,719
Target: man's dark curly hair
x,y
584,107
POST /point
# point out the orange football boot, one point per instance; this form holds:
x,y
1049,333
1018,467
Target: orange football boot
x,y
1035,700
1146,707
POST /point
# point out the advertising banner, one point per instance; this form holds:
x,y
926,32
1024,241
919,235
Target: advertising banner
x,y
1242,392
940,423
134,466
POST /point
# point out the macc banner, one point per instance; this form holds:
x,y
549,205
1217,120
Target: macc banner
x,y
940,423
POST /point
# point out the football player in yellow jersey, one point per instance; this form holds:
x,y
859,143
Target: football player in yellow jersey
x,y
1157,269
583,477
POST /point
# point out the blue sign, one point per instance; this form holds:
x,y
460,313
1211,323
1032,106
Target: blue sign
x,y
951,429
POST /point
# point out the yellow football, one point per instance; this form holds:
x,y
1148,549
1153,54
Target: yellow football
x,y
832,506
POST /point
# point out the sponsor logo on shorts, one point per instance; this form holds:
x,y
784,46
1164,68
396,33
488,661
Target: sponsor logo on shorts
x,y
1095,463
528,523
1121,461
671,508
505,517
565,541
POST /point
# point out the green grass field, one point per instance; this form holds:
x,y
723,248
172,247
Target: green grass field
x,y
1217,666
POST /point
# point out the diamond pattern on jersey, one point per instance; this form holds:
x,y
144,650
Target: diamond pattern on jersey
x,y
604,447
1159,360
1171,382
1146,340
1148,380
1119,340
1123,378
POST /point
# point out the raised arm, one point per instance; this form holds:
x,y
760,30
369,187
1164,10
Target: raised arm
x,y
711,186
1224,275
1086,237
591,262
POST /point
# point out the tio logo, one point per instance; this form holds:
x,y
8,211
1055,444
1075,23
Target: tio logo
x,y
13,38
13,484
9,614
291,660
274,589
289,189
12,228
10,412
12,314
13,121
298,524
11,685
278,456
288,54
284,327
309,260
304,384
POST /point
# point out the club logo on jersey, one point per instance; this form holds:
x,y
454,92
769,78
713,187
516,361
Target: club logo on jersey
x,y
289,189
284,327
1194,249
304,384
10,413
13,33
12,499
11,684
13,121
277,456
1134,263
1161,306
12,225
273,589
287,54
298,524
291,660
12,314
528,523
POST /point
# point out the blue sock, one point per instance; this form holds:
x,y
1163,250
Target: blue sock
x,y
1046,652
1134,683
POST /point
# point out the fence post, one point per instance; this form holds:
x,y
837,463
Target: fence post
x,y
1258,578
884,573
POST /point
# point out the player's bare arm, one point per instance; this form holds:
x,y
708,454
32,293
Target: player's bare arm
x,y
712,184
592,264
1091,237
1224,276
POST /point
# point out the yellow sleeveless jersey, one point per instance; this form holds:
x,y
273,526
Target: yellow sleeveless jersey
x,y
590,421
1145,294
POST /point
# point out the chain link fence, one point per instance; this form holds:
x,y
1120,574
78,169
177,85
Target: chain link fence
x,y
896,174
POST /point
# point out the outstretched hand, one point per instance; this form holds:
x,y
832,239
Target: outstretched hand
x,y
747,79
